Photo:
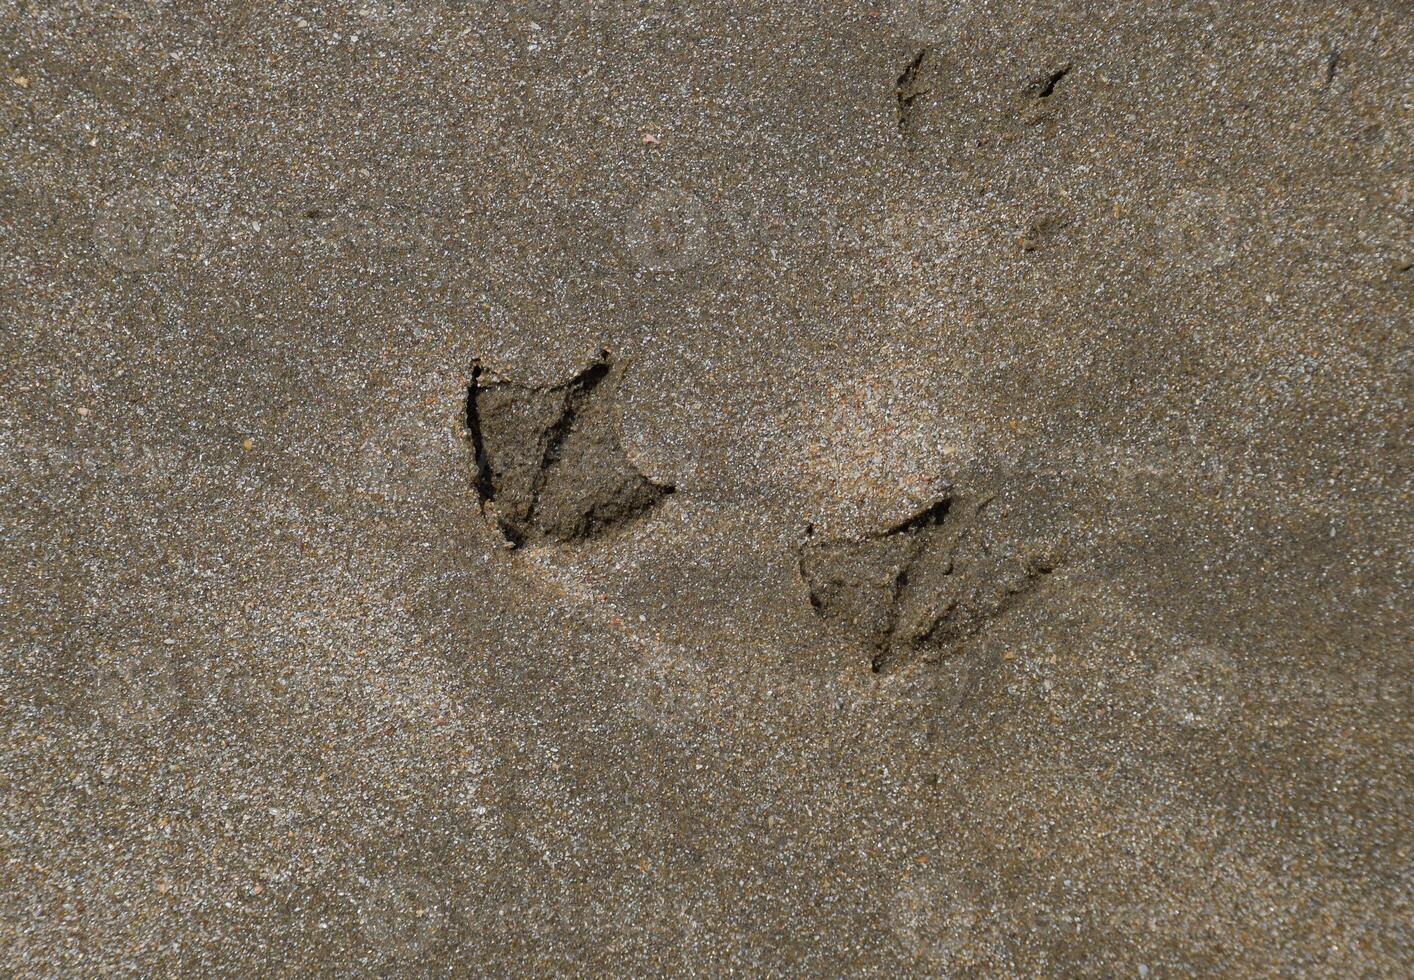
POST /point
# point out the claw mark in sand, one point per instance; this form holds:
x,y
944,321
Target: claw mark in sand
x,y
907,90
1044,86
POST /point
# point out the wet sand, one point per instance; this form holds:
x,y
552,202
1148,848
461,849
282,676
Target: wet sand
x,y
649,488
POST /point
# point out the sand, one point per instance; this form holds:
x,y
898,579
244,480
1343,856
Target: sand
x,y
983,550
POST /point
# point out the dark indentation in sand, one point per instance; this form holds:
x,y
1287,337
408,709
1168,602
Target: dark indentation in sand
x,y
1332,66
921,589
549,465
857,585
1044,86
907,91
1041,231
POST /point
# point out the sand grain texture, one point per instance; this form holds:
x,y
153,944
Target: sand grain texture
x,y
1117,296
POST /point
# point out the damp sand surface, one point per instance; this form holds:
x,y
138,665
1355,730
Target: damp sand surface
x,y
709,488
